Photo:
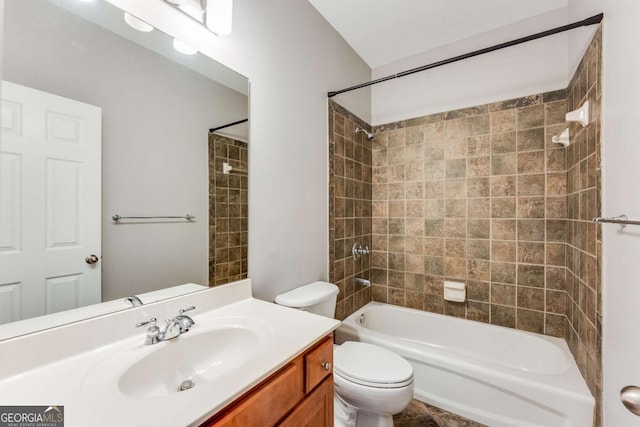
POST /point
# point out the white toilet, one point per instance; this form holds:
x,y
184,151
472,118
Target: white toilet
x,y
371,383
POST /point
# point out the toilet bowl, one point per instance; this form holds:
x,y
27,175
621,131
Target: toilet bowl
x,y
371,383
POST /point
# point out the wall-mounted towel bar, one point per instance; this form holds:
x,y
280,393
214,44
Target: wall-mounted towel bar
x,y
189,218
620,219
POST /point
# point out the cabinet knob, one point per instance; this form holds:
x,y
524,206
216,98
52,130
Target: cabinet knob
x,y
326,365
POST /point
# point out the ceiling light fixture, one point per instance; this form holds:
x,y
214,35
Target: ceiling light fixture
x,y
216,15
137,24
219,16
183,47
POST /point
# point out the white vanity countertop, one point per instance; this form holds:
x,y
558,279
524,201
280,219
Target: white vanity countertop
x,y
87,386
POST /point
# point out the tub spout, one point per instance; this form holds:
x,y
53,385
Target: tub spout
x,y
363,282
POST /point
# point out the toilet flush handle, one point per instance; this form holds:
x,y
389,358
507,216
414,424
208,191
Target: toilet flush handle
x,y
326,365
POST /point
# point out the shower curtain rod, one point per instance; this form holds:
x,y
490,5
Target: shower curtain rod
x,y
228,125
596,19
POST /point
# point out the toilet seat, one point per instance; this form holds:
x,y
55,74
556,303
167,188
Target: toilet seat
x,y
371,366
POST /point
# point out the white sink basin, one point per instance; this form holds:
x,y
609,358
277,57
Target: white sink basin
x,y
198,358
204,354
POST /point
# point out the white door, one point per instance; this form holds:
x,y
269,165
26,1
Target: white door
x,y
50,180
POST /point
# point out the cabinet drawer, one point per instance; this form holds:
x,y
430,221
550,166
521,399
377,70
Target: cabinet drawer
x,y
318,363
269,403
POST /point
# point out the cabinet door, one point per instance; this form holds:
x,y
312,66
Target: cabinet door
x,y
269,403
318,364
314,411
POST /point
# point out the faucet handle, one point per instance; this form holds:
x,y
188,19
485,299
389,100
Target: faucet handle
x,y
151,322
152,333
184,310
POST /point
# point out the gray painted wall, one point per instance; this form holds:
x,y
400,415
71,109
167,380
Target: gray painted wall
x,y
292,57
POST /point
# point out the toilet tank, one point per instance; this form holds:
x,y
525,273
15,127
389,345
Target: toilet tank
x,y
317,297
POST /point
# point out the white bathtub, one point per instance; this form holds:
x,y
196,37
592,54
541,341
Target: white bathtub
x,y
490,374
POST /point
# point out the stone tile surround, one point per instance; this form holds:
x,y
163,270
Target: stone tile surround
x,y
483,196
584,242
475,196
228,209
349,207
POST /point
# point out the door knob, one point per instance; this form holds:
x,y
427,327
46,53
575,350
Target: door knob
x,y
92,259
630,396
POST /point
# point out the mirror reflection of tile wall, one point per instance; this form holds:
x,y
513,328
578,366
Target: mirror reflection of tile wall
x,y
227,210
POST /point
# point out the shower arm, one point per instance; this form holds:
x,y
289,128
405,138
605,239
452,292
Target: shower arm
x,y
369,135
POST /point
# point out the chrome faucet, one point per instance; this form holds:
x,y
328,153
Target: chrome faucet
x,y
171,329
357,250
185,321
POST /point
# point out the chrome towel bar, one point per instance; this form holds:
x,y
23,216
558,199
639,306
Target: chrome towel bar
x,y
620,219
189,218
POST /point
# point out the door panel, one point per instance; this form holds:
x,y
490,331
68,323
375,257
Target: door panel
x,y
50,189
10,302
63,293
63,191
10,202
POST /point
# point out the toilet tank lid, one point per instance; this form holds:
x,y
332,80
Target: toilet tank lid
x,y
307,295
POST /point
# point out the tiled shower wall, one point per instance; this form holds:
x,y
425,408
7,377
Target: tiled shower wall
x,y
349,207
474,196
481,196
584,246
227,210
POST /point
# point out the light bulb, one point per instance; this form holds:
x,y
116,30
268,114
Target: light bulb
x,y
137,24
183,47
219,16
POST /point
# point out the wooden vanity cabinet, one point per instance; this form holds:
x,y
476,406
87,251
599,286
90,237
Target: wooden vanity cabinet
x,y
298,395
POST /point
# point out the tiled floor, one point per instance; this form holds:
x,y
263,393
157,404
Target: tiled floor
x,y
419,414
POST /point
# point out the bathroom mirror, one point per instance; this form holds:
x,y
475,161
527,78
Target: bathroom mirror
x,y
100,119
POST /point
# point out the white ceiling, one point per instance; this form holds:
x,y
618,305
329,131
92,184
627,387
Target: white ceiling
x,y
385,31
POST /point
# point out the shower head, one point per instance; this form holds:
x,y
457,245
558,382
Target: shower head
x,y
369,135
